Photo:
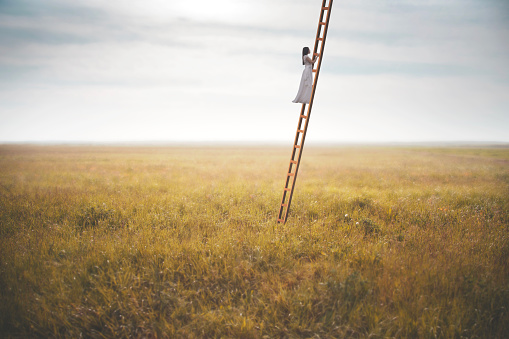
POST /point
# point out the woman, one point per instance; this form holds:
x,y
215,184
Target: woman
x,y
306,82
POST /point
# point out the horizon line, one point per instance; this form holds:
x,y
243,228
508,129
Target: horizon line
x,y
205,143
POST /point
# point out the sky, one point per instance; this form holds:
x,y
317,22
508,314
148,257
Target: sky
x,y
228,70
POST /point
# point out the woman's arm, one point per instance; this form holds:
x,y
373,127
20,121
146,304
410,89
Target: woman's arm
x,y
311,61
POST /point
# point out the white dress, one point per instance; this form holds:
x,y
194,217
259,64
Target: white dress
x,y
306,83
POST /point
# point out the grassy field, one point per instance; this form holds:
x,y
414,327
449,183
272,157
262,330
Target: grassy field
x,y
182,242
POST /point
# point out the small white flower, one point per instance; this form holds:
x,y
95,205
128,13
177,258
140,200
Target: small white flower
x,y
346,215
357,223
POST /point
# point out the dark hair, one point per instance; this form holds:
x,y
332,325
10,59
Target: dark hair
x,y
305,51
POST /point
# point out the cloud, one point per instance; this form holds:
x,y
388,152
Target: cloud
x,y
130,70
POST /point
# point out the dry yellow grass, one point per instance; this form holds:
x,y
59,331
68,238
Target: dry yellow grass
x,y
182,242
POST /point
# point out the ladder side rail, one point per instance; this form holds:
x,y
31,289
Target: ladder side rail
x,y
292,189
282,208
319,38
315,48
299,127
309,107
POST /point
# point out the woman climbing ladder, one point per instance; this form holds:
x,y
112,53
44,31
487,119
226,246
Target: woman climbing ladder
x,y
306,82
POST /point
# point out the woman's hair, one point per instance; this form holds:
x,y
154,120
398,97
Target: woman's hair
x,y
305,51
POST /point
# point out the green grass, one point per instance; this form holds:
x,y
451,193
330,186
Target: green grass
x,y
182,242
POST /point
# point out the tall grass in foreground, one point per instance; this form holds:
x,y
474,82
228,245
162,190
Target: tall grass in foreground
x,y
182,242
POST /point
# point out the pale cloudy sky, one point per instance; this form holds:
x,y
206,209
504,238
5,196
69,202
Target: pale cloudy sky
x,y
227,70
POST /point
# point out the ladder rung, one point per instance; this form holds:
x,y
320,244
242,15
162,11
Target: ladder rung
x,y
280,220
293,162
291,174
303,116
325,8
315,70
284,205
297,146
322,23
300,131
288,189
320,39
317,54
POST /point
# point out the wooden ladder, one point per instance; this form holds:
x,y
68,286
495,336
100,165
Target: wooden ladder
x,y
300,136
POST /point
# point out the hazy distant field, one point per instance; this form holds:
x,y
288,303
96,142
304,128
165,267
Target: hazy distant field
x,y
182,242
